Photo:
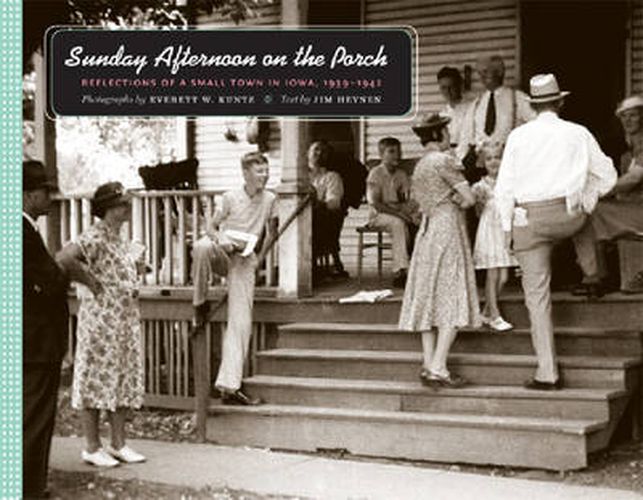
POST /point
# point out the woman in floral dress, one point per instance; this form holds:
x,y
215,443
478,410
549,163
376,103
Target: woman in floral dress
x,y
108,370
440,291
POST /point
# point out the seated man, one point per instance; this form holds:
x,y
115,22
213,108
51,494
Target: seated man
x,y
246,210
620,213
328,210
387,193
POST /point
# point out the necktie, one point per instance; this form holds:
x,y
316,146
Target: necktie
x,y
490,120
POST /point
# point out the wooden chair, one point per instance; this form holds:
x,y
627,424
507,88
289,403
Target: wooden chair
x,y
378,244
630,252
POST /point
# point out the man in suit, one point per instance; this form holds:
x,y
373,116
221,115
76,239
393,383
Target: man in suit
x,y
45,317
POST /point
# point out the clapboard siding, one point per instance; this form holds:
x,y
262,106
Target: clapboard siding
x,y
219,166
450,32
636,51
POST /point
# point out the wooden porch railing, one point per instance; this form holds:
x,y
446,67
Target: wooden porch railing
x,y
167,223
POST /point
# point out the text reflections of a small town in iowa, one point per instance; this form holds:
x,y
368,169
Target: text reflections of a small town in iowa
x,y
303,72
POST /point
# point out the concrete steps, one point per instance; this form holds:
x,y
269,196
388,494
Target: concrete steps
x,y
558,444
355,387
515,401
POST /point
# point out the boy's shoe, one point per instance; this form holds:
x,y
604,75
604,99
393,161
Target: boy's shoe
x,y
500,325
100,458
126,454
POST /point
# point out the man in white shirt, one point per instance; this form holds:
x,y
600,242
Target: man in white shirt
x,y
496,112
551,176
457,105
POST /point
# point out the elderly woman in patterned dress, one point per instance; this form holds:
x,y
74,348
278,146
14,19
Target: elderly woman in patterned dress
x,y
108,370
440,291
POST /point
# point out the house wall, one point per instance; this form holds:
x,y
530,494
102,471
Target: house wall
x,y
219,166
635,57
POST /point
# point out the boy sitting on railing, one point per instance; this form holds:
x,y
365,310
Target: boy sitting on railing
x,y
239,219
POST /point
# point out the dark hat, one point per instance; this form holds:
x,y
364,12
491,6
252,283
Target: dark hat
x,y
107,196
34,176
428,122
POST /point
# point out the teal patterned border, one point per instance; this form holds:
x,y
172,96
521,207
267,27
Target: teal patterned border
x,y
11,250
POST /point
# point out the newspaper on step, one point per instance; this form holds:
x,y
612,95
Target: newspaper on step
x,y
369,296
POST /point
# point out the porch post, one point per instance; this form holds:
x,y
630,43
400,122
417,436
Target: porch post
x,y
295,245
45,148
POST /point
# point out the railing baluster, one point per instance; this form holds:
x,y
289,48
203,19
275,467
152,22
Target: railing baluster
x,y
86,214
64,222
182,239
195,217
168,240
167,358
74,218
157,358
186,358
146,232
154,216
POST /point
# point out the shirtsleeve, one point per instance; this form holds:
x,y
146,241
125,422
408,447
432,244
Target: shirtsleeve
x,y
602,176
372,187
505,185
335,188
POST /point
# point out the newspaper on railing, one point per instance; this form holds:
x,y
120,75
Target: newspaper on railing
x,y
365,296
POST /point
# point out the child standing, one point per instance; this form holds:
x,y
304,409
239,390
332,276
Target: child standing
x,y
489,252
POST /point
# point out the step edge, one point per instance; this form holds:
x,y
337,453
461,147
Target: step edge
x,y
457,357
386,328
495,391
579,427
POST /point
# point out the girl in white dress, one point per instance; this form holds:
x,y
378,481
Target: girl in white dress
x,y
489,252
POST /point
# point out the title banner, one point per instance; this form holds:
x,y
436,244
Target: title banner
x,y
275,72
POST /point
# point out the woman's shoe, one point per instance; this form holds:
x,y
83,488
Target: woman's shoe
x,y
100,458
126,454
434,380
500,325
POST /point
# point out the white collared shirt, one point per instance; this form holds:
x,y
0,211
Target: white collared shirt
x,y
506,119
31,221
457,114
550,158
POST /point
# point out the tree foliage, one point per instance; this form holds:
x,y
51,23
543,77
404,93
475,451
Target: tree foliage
x,y
176,14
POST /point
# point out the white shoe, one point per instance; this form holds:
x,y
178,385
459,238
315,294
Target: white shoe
x,y
126,454
99,458
500,325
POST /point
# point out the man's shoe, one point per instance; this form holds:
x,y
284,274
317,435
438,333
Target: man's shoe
x,y
239,398
537,385
100,458
399,280
126,454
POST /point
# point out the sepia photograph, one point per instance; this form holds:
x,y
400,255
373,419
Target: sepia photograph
x,y
312,249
